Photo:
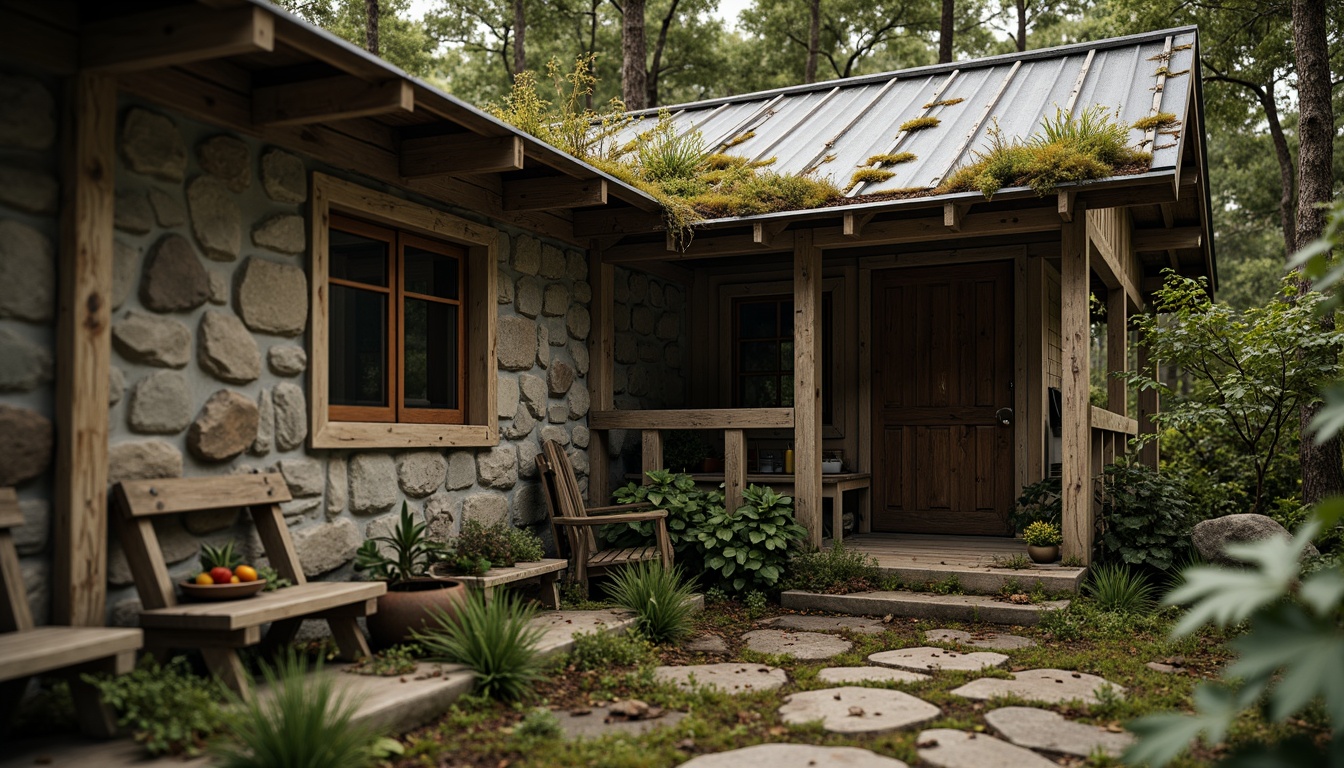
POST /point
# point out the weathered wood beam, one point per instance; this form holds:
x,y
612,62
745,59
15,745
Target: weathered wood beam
x,y
1076,435
1066,203
174,36
1169,221
330,98
1117,351
693,418
1164,239
600,380
624,221
554,192
651,443
854,223
460,154
1100,418
765,232
953,213
734,468
807,433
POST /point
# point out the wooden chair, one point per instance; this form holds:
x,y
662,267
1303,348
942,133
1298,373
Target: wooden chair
x,y
572,524
220,628
27,650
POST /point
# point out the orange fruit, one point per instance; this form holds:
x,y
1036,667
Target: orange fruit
x,y
204,579
233,580
245,573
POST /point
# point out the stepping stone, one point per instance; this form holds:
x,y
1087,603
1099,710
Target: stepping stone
x,y
706,644
857,624
799,645
594,725
857,710
794,756
926,659
1050,732
729,677
1049,686
995,641
869,674
948,748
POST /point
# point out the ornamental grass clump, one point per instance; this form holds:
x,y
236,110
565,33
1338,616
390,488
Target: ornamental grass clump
x,y
1120,589
660,598
495,639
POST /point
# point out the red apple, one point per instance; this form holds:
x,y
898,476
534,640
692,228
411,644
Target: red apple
x,y
221,575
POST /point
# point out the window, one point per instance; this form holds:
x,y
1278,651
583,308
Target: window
x,y
403,323
763,353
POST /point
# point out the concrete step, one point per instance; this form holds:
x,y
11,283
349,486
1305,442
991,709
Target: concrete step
x,y
922,605
988,580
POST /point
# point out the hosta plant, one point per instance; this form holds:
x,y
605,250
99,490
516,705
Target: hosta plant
x,y
749,548
687,508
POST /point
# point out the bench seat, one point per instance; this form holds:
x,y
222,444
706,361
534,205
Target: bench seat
x,y
46,649
298,601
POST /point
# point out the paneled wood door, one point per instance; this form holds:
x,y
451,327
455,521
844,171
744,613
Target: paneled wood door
x,y
942,372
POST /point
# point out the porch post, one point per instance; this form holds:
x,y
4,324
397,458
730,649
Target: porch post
x,y
1117,351
600,390
1075,316
807,384
84,351
1149,405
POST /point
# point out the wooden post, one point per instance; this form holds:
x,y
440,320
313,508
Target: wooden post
x,y
864,394
1022,340
600,366
1117,351
734,468
653,450
1149,406
1037,408
83,347
807,384
1075,337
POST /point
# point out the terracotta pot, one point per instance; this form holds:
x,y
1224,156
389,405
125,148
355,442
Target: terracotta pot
x,y
408,606
1043,554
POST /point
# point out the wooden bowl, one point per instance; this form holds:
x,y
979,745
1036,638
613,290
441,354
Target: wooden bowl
x,y
222,591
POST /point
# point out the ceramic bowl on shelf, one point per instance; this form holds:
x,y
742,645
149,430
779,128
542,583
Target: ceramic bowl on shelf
x,y
222,591
831,467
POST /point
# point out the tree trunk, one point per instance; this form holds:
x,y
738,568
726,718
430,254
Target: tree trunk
x,y
945,33
634,55
371,26
1322,475
658,48
1021,25
1287,184
813,41
519,37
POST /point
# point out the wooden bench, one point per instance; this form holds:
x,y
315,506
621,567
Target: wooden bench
x,y
546,570
27,651
220,628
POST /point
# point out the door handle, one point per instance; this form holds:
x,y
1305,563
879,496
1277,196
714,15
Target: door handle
x,y
1004,416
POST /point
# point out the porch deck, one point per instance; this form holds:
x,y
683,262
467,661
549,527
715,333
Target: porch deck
x,y
921,559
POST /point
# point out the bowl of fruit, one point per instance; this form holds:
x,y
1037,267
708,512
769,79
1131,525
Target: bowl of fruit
x,y
223,576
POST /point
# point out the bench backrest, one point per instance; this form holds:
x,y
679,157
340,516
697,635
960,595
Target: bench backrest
x,y
14,612
140,501
563,498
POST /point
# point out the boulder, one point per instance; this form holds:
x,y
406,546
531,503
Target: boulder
x,y
174,279
291,416
160,404
25,444
576,265
215,218
559,378
1211,537
225,427
227,351
506,397
144,338
227,158
26,367
116,385
152,145
284,177
143,460
439,516
534,390
579,402
27,273
273,298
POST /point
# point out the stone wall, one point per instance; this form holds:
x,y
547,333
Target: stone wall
x,y
29,200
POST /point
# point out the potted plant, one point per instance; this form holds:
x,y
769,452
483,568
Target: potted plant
x,y
412,596
1042,541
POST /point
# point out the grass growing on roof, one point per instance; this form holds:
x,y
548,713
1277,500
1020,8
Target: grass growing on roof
x,y
919,124
887,160
942,103
1160,120
869,176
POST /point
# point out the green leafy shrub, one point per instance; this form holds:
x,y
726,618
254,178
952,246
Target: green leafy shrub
x,y
167,709
411,551
1146,517
302,722
1042,534
479,548
1039,501
539,724
659,597
495,639
1118,588
834,571
749,548
602,650
687,508
757,604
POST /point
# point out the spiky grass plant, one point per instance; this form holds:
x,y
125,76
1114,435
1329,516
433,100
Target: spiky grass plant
x,y
660,597
303,721
1119,589
665,154
496,639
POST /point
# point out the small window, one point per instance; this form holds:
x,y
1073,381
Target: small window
x,y
763,353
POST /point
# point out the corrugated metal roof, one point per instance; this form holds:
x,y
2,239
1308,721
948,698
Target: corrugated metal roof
x,y
832,128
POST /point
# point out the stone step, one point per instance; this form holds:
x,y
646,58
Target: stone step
x,y
989,580
922,605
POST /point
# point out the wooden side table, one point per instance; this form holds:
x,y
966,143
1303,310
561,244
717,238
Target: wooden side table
x,y
547,571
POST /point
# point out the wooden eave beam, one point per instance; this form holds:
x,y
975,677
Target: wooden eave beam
x,y
853,224
553,192
620,222
174,36
330,98
460,154
1166,239
953,213
1067,198
765,232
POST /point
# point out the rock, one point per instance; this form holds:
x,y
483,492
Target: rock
x,y
168,211
794,756
527,296
669,326
461,470
543,345
373,483
526,254
175,542
202,522
486,508
529,502
504,284
578,352
439,516
326,547
579,402
338,486
26,365
421,473
265,424
552,262
225,427
639,287
116,385
273,298
143,460
992,640
283,177
498,467
860,675
144,338
593,725
1211,537
517,343
227,351
556,301
948,748
31,537
506,397
672,297
284,233
522,424
559,379
927,659
287,360
160,404
1158,666
556,433
534,394
215,218
655,293
580,436
528,450
729,677
131,212
712,644
857,624
126,613
152,145
557,413
25,444
291,416
857,710
27,272
642,320
125,271
578,322
174,279
28,191
1048,686
298,509
1049,732
27,113
576,265
650,352
227,158
303,476
800,645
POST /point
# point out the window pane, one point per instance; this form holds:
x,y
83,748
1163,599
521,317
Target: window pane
x,y
430,274
358,351
431,355
760,356
357,258
786,356
786,391
759,391
786,318
758,319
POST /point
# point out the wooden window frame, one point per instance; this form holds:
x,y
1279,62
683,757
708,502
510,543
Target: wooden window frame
x,y
479,418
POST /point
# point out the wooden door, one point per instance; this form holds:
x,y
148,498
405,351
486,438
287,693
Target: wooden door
x,y
942,370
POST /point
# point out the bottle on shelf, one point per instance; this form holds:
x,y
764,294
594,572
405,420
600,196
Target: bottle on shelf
x,y
788,460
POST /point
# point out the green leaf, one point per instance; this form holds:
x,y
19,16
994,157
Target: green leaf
x,y
756,537
1163,737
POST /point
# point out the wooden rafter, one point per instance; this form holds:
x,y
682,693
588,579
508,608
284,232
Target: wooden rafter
x,y
554,192
1165,239
174,36
330,98
460,154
